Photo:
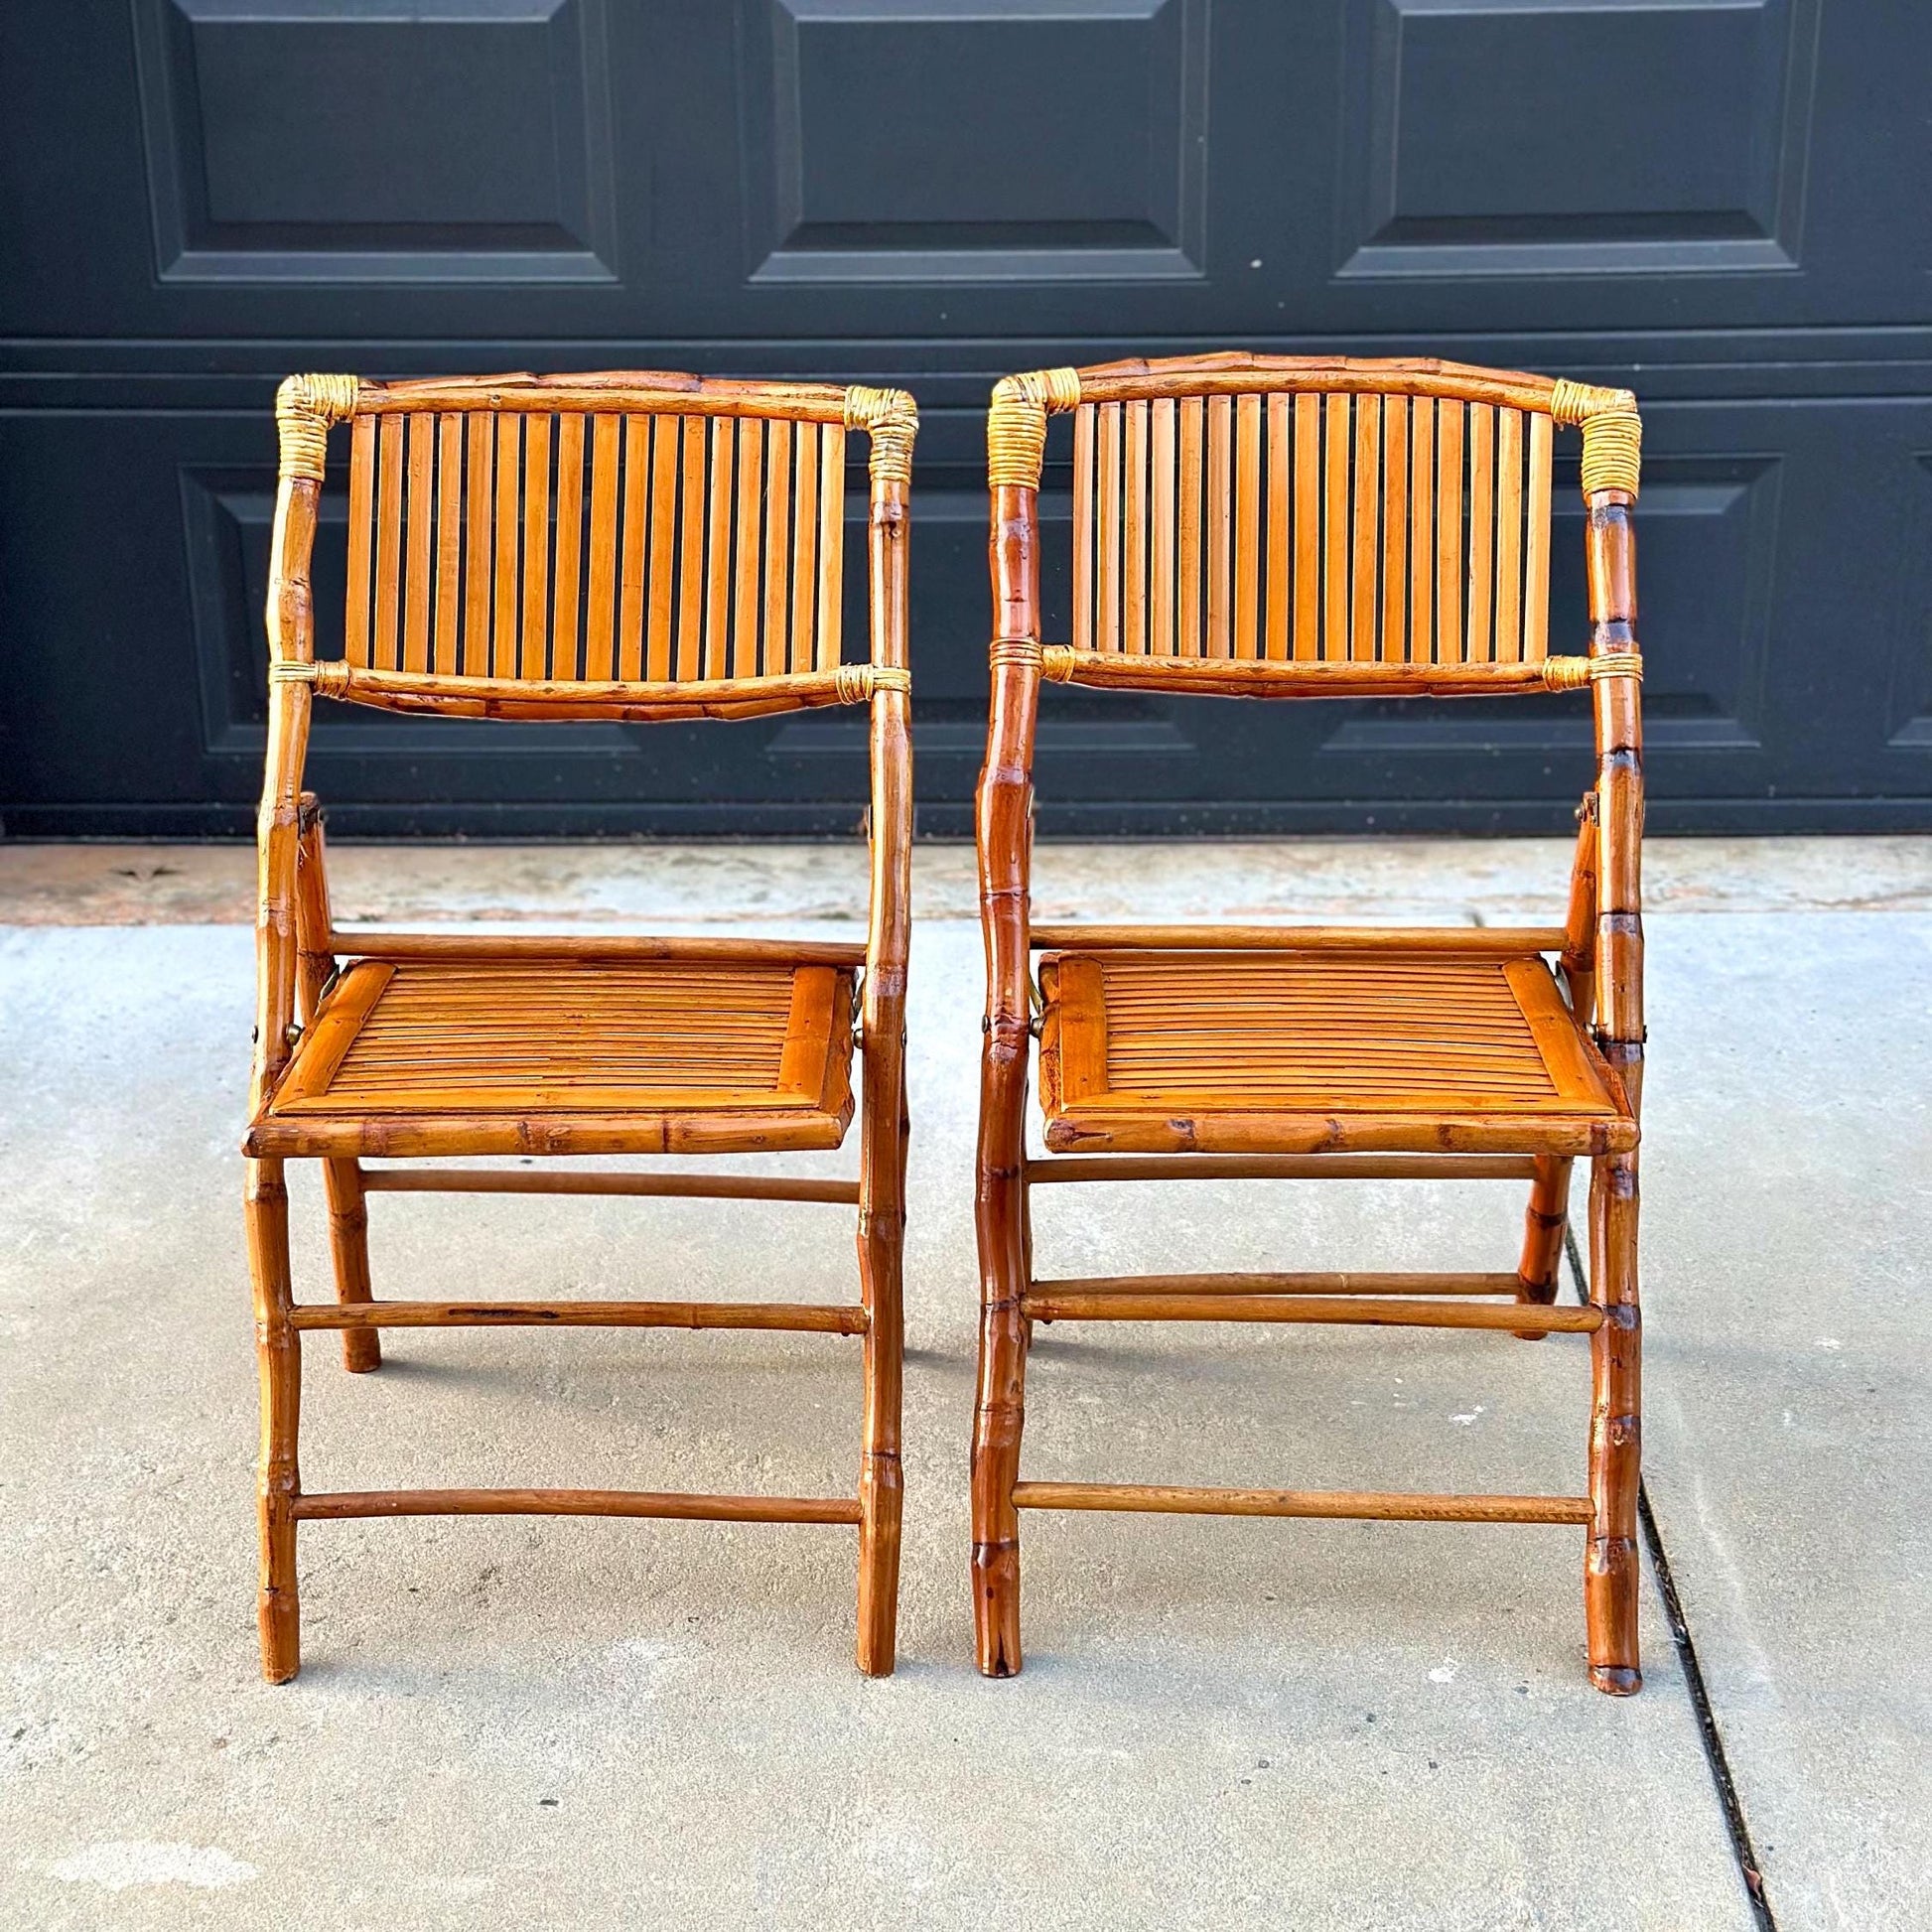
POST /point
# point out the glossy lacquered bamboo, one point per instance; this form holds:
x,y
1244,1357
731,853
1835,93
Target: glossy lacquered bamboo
x,y
801,1318
537,1181
1075,1167
669,1505
1507,941
1367,1310
1166,1499
525,547
1316,527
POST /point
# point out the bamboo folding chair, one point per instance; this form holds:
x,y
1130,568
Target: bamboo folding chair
x,y
704,582
1258,526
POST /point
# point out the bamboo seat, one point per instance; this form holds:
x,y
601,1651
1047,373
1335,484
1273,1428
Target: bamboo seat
x,y
1301,528
1158,1050
630,548
488,1055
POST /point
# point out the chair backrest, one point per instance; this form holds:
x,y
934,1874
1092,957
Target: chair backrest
x,y
595,545
1390,516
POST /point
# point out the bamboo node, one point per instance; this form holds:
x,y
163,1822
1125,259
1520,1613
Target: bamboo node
x,y
890,418
305,406
1016,424
1573,673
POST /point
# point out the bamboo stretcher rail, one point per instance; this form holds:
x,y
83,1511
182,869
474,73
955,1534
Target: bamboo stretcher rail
x,y
338,1505
354,944
1512,1318
1070,1167
1512,941
1370,1504
801,1318
1279,1284
695,1187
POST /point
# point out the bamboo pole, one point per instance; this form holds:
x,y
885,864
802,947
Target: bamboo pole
x,y
1279,1284
1241,372
1210,677
1485,941
885,1123
671,1505
1075,1167
514,1180
357,945
1003,835
801,1318
1394,1313
1374,1505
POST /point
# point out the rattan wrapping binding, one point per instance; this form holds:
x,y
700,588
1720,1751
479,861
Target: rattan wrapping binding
x,y
892,420
305,406
1016,424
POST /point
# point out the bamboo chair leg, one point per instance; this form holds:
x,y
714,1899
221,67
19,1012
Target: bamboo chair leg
x,y
998,1420
881,1243
278,1357
349,1244
1543,1228
1611,1577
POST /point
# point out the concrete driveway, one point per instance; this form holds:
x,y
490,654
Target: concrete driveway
x,y
532,1723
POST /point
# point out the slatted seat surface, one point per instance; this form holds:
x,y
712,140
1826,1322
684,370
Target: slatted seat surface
x,y
636,1055
1165,1050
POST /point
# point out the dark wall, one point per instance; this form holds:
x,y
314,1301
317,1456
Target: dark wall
x,y
1722,205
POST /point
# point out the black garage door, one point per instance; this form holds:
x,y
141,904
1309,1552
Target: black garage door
x,y
1721,205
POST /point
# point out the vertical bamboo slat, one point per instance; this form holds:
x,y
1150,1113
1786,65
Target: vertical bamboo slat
x,y
566,621
509,530
804,555
1132,603
1280,480
449,541
1336,426
1193,419
636,528
1421,535
600,604
1480,645
1509,536
660,549
419,530
691,528
1161,595
388,544
831,543
1368,487
1107,532
1218,517
773,653
533,657
475,585
718,543
1307,533
1395,526
361,527
1448,533
1247,528
1536,544
1083,531
744,616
